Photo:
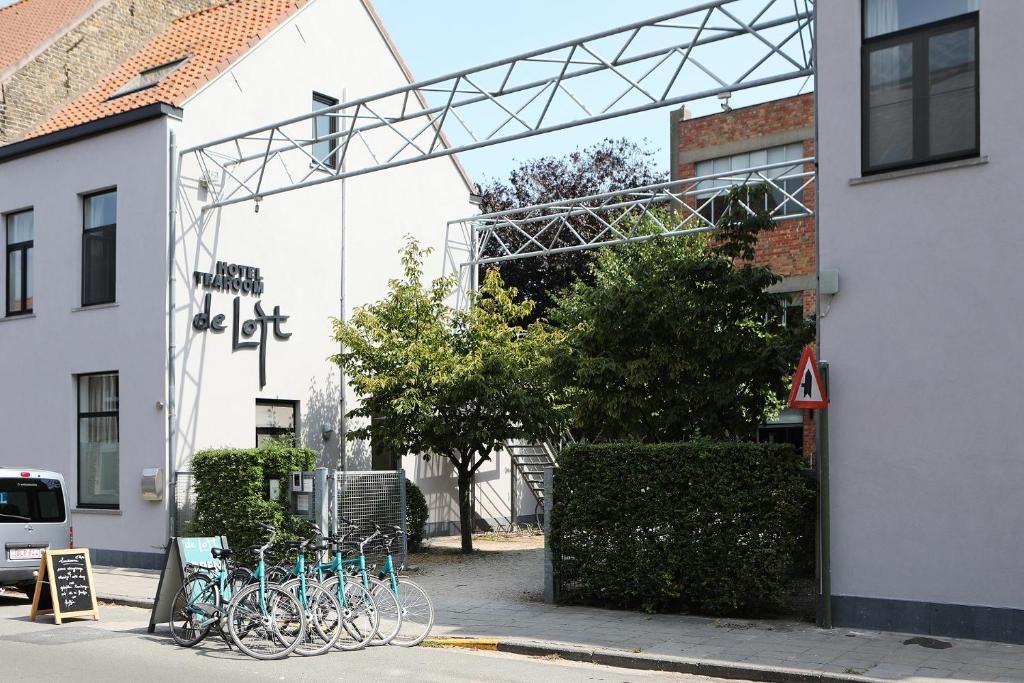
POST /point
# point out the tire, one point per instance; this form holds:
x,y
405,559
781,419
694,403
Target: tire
x,y
361,617
323,617
390,621
240,578
269,634
190,625
417,614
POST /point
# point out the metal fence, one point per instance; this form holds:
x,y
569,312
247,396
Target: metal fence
x,y
371,497
185,503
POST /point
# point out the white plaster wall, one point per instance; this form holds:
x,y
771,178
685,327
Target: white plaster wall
x,y
40,355
332,48
924,343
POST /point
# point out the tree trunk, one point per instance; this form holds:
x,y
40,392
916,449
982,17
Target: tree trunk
x,y
466,508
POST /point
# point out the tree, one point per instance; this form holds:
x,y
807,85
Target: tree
x,y
604,167
455,384
677,338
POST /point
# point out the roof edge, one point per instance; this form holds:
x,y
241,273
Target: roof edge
x,y
88,130
48,42
375,18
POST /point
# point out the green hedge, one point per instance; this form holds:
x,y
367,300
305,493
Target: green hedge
x,y
705,527
416,512
231,494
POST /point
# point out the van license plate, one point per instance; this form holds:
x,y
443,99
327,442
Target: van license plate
x,y
24,553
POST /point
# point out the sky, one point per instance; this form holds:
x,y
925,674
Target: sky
x,y
442,36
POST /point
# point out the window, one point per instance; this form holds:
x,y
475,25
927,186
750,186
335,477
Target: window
x,y
31,500
712,206
324,126
792,309
19,262
148,78
98,441
275,420
919,83
99,248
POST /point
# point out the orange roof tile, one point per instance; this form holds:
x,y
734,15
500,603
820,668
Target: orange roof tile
x,y
211,38
28,23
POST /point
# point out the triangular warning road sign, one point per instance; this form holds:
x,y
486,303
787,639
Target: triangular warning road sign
x,y
808,390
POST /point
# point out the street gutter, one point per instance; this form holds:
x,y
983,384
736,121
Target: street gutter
x,y
647,662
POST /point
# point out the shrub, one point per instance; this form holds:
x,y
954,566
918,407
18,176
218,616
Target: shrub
x,y
416,513
231,494
707,527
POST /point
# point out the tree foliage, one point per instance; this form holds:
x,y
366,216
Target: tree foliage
x,y
448,382
604,167
677,338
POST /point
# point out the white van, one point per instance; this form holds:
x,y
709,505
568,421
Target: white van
x,y
34,516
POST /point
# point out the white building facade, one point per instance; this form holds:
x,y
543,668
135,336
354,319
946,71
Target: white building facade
x,y
92,360
923,340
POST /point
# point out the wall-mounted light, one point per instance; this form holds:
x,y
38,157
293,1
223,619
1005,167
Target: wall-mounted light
x,y
326,431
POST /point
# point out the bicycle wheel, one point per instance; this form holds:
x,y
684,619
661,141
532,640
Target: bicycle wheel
x,y
390,615
417,614
359,612
266,624
323,617
193,612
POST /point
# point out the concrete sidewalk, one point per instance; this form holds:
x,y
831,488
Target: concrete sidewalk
x,y
495,595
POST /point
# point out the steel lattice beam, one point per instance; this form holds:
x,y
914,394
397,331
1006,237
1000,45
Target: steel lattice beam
x,y
632,215
666,60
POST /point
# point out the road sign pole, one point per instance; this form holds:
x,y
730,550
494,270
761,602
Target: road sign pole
x,y
824,531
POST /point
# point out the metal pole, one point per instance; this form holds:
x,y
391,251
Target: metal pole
x,y
824,524
549,567
172,221
513,470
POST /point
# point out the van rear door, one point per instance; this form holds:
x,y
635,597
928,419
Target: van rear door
x,y
33,518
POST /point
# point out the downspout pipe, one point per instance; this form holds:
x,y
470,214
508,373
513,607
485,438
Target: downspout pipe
x,y
172,238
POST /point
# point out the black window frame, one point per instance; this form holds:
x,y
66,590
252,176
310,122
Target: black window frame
x,y
104,231
917,37
23,247
332,128
116,414
278,432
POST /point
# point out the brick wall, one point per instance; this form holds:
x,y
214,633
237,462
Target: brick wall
x,y
80,57
789,250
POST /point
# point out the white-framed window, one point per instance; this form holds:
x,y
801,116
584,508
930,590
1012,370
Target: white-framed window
x,y
776,201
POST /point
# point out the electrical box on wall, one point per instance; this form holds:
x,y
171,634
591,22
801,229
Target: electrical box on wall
x,y
153,483
302,495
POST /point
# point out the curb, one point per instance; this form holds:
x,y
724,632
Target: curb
x,y
125,601
629,660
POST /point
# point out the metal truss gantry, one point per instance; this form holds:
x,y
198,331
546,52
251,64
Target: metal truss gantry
x,y
670,209
717,47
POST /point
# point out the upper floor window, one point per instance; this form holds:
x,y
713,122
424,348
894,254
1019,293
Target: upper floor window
x,y
20,235
99,237
783,200
325,151
919,76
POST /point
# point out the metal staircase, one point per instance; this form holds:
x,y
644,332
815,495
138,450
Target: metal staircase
x,y
530,460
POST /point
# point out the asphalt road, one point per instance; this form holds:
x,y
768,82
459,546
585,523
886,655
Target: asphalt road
x,y
118,648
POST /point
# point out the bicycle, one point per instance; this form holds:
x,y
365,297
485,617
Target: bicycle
x,y
265,621
415,608
323,611
389,616
202,599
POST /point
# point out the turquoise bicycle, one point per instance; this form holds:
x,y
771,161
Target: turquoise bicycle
x,y
324,613
202,600
415,610
332,575
265,621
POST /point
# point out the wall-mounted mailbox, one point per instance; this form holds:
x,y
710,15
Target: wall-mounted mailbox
x,y
153,483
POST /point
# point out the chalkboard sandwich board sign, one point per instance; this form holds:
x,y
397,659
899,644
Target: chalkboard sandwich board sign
x,y
64,586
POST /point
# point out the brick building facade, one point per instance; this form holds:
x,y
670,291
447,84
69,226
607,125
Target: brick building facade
x,y
72,51
779,130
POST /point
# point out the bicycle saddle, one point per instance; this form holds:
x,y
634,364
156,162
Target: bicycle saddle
x,y
220,553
